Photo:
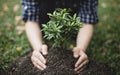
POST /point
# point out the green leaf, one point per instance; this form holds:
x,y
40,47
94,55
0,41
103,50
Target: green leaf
x,y
61,25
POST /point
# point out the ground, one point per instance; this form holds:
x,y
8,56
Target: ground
x,y
104,47
59,62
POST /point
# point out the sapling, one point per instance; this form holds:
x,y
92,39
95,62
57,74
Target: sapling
x,y
62,28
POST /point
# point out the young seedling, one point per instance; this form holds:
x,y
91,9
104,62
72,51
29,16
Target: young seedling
x,y
62,28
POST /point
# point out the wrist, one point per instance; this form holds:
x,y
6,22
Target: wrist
x,y
81,48
34,35
37,47
32,23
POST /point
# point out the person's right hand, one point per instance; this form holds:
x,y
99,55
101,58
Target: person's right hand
x,y
37,57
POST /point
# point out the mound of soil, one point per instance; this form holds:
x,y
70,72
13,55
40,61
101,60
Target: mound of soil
x,y
3,71
59,62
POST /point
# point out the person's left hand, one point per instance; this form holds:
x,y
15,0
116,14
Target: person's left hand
x,y
82,61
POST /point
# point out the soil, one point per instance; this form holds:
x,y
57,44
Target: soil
x,y
59,62
3,71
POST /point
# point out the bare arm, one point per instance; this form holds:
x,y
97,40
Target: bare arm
x,y
84,36
34,35
83,39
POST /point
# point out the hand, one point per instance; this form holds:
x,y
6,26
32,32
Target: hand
x,y
37,58
82,61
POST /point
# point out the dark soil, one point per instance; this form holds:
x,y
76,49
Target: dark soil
x,y
59,62
3,71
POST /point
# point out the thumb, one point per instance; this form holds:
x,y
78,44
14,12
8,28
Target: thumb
x,y
44,50
76,52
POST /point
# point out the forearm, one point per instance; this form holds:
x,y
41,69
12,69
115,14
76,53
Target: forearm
x,y
84,36
34,34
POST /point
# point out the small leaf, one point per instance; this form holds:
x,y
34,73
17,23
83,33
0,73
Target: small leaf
x,y
74,16
19,49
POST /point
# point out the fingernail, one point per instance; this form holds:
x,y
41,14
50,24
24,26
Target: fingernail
x,y
45,67
45,62
75,69
75,65
44,53
75,56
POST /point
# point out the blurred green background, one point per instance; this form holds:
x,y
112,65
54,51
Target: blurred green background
x,y
104,47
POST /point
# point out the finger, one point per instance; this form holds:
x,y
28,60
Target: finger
x,y
44,50
39,63
81,66
39,56
76,52
81,59
36,65
80,70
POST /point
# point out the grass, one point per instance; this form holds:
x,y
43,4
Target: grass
x,y
13,41
105,45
